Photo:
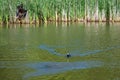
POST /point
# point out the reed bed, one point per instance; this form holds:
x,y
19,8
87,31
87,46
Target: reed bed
x,y
61,10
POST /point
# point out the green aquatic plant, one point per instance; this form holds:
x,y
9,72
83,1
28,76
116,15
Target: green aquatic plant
x,y
61,10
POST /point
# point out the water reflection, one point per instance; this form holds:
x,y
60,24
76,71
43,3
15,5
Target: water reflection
x,y
35,43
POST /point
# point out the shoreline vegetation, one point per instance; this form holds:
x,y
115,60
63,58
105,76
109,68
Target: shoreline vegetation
x,y
43,11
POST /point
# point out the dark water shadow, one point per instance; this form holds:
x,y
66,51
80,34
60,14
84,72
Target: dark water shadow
x,y
52,50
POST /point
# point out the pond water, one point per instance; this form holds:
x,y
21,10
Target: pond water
x,y
38,52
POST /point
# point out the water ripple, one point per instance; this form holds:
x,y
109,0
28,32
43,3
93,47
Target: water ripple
x,y
75,52
46,68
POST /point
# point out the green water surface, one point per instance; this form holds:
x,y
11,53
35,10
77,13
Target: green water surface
x,y
20,45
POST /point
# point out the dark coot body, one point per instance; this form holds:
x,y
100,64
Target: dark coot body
x,y
68,55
